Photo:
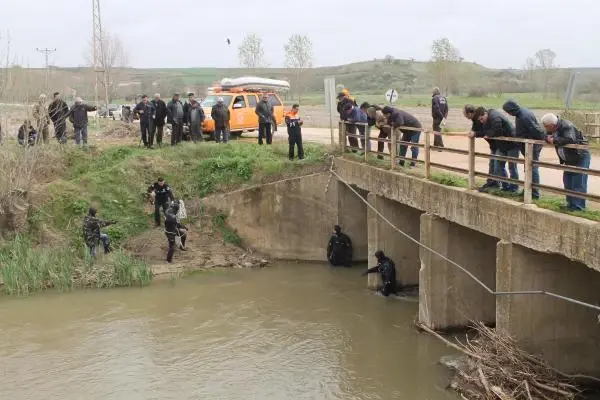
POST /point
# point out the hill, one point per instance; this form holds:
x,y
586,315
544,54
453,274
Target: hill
x,y
369,77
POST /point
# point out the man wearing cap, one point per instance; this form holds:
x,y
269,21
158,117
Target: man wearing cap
x,y
220,115
561,132
78,115
175,116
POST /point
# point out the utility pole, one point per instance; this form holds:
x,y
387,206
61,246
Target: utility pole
x,y
99,54
46,52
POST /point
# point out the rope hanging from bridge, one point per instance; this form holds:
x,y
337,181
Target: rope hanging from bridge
x,y
455,264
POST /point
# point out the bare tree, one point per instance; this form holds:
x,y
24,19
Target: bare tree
x,y
388,59
113,58
444,63
299,56
545,64
251,52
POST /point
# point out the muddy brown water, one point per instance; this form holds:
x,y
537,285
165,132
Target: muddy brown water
x,y
286,332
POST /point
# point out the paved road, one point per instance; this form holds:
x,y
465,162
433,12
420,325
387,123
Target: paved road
x,y
549,177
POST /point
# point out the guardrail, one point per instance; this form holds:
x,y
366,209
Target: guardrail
x,y
472,155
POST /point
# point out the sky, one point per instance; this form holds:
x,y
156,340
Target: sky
x,y
193,33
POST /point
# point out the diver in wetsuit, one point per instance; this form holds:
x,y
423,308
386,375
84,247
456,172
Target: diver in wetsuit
x,y
339,249
386,267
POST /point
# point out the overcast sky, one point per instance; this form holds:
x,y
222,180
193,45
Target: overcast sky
x,y
192,33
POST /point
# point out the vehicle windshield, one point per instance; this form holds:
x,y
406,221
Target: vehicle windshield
x,y
211,100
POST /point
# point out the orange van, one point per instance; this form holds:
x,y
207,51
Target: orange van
x,y
241,106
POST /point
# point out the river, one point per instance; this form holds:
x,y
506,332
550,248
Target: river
x,y
286,332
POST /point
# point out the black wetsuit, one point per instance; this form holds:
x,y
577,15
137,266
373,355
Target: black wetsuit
x,y
387,269
339,250
172,229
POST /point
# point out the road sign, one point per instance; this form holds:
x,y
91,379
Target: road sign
x,y
391,95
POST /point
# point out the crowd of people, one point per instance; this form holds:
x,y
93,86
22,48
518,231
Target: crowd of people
x,y
489,124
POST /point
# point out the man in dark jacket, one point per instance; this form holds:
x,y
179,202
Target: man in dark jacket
x,y
377,119
195,119
58,111
339,248
162,194
264,110
220,114
477,131
561,132
527,127
387,269
176,117
160,113
397,118
78,115
173,230
92,234
294,129
497,125
145,109
439,112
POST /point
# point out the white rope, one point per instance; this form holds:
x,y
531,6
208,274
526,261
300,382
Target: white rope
x,y
443,257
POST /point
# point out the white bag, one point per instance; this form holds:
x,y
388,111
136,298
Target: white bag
x,y
181,214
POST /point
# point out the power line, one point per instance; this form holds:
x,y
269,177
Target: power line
x,y
46,52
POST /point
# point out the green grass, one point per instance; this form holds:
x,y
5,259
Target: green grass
x,y
52,253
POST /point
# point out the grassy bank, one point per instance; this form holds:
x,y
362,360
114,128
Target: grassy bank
x,y
50,251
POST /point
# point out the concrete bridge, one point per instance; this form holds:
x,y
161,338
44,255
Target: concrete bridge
x,y
506,245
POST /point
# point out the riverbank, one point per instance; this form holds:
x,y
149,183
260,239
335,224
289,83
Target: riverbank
x,y
41,218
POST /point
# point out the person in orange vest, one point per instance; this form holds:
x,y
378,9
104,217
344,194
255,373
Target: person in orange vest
x,y
294,128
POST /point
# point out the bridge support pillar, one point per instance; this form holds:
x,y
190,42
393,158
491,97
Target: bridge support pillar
x,y
564,334
382,236
352,217
448,297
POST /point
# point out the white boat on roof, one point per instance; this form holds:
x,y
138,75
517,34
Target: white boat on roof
x,y
254,83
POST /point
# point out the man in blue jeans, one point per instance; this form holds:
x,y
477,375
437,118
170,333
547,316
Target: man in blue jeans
x,y
397,118
497,125
561,132
91,232
527,127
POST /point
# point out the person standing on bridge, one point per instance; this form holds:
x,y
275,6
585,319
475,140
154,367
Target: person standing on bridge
x,y
496,125
398,118
439,113
560,133
377,119
387,269
339,248
477,131
356,119
527,127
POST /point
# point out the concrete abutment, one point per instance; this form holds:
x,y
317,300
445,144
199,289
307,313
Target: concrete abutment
x,y
352,217
448,297
562,333
382,236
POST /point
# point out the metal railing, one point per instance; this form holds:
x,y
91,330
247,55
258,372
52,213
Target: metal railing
x,y
472,155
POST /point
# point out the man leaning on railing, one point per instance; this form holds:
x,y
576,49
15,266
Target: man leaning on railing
x,y
527,127
561,132
477,131
397,118
497,125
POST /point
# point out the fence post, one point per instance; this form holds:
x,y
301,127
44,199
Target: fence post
x,y
394,149
427,155
342,136
472,184
527,190
367,142
597,127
